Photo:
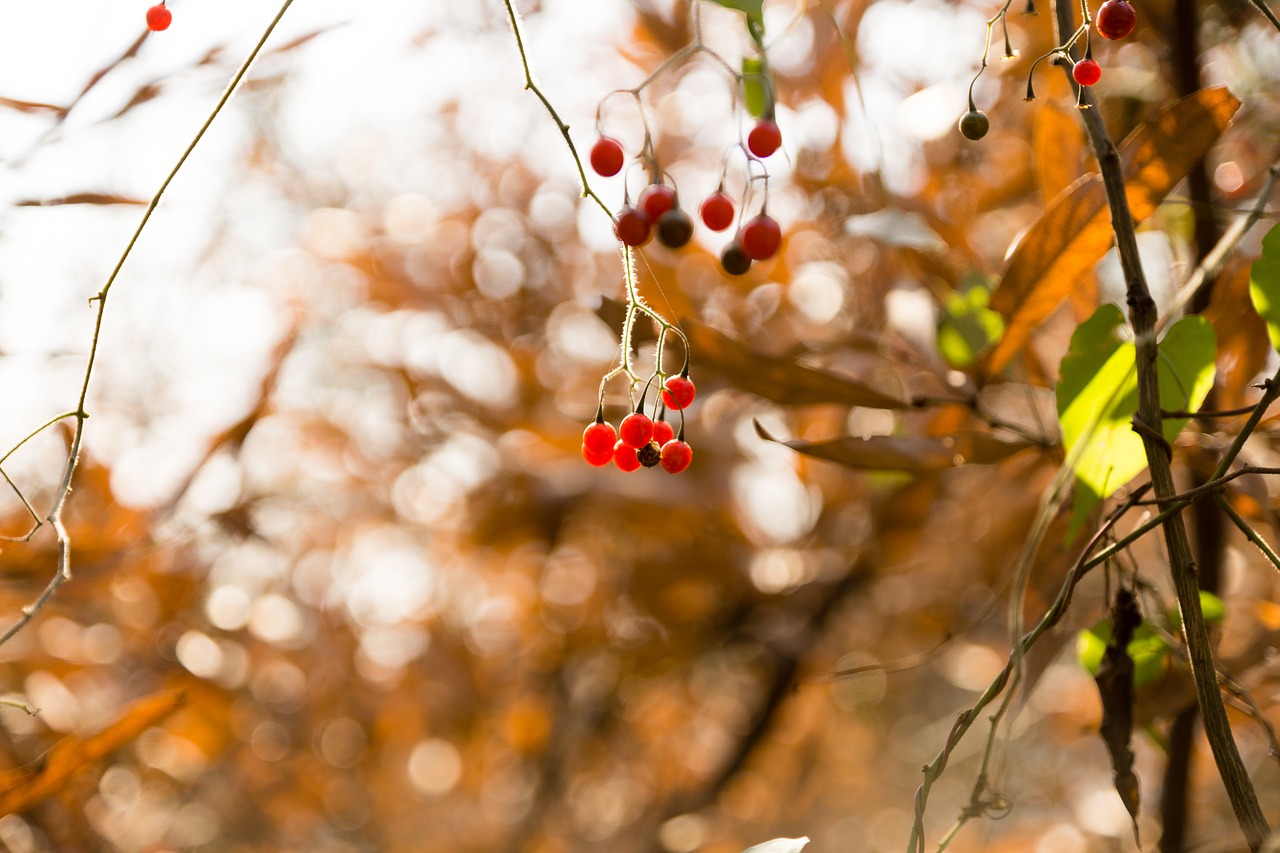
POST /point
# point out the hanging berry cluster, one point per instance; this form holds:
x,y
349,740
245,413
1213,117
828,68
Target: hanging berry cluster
x,y
1114,19
648,440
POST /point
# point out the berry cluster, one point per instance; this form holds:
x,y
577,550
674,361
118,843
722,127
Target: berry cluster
x,y
159,18
1114,19
647,440
641,441
657,211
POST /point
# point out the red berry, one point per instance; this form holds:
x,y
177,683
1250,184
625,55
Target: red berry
x,y
606,156
678,392
717,211
1087,72
599,437
1115,19
636,430
633,226
761,238
159,18
676,456
733,259
675,229
597,459
657,199
765,138
662,432
625,458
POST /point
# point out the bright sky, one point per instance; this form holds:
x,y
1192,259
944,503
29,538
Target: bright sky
x,y
187,332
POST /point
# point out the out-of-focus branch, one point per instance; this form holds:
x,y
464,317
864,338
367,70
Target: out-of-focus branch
x,y
63,573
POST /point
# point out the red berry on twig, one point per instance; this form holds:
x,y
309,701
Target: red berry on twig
x,y
678,392
636,430
717,211
624,456
676,456
606,156
765,138
761,238
633,226
1087,72
159,18
657,199
1115,19
662,432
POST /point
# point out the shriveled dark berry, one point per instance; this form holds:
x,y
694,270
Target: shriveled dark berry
x,y
675,228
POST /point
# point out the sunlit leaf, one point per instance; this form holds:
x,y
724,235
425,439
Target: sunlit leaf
x,y
1148,649
1075,232
967,327
1097,397
26,786
781,379
1264,284
1058,143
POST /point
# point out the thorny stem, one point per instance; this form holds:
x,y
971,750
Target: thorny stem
x,y
1142,317
54,518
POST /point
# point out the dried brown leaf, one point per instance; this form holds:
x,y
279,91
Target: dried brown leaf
x,y
913,454
779,379
25,787
1116,689
1075,232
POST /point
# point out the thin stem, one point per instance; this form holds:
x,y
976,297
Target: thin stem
x,y
1247,529
1262,7
1209,268
1143,317
54,518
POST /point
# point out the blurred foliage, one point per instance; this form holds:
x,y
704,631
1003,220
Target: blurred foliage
x,y
401,613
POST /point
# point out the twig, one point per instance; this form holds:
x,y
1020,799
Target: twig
x,y
1266,11
934,769
1142,317
54,518
1212,263
1247,529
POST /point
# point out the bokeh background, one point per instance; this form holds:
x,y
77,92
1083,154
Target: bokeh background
x,y
332,490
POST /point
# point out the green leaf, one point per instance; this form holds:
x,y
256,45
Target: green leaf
x,y
756,86
753,9
1150,653
1210,605
1097,397
1264,284
967,327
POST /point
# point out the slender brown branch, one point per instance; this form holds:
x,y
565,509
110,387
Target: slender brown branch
x,y
1266,11
934,769
1247,529
63,573
1142,317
